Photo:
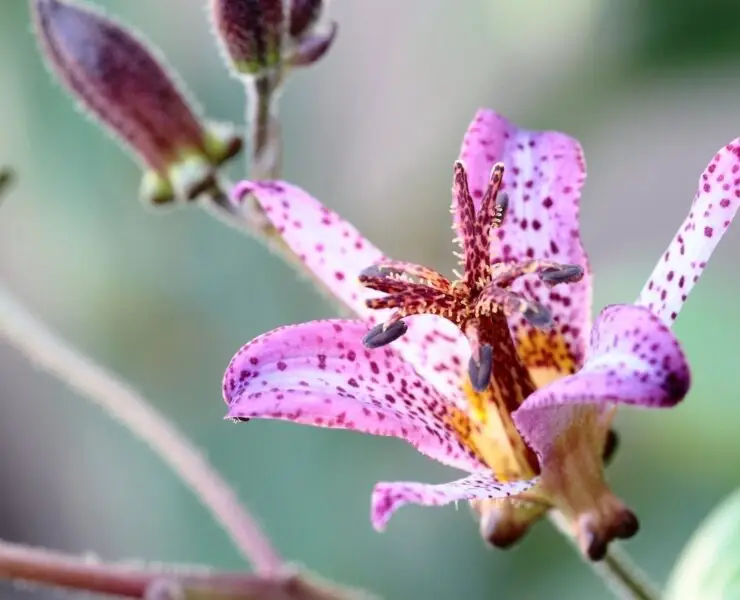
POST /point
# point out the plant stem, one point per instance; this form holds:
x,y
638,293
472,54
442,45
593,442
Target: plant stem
x,y
617,570
54,355
55,569
263,128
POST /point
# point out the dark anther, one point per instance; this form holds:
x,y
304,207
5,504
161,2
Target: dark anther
x,y
374,272
538,315
627,526
502,205
480,372
380,335
610,446
596,546
566,274
240,419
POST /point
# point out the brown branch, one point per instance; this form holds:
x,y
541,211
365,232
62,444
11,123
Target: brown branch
x,y
54,569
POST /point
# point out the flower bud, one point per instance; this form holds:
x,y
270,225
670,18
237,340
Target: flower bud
x,y
113,74
259,39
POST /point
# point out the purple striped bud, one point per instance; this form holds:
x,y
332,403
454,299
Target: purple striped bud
x,y
115,76
258,38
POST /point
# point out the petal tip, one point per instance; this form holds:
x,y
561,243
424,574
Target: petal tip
x,y
382,507
240,190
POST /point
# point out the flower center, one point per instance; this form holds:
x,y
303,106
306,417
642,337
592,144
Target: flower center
x,y
479,302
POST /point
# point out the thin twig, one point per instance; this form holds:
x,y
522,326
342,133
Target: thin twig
x,y
617,570
54,569
54,355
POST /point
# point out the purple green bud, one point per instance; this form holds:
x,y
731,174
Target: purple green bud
x,y
260,39
117,77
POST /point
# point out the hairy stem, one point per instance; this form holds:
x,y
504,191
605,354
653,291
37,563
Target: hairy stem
x,y
54,569
617,570
54,355
263,128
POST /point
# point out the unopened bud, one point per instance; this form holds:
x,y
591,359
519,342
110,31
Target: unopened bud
x,y
260,39
115,76
304,14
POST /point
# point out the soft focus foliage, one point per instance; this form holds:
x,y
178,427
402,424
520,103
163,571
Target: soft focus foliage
x,y
709,567
372,131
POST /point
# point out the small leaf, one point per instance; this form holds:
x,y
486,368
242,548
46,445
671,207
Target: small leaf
x,y
709,566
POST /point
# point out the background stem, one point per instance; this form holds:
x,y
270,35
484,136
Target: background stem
x,y
52,354
54,569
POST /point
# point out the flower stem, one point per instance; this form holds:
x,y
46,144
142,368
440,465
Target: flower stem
x,y
57,570
54,355
263,127
617,570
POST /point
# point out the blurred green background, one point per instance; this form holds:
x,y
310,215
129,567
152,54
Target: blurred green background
x,y
652,90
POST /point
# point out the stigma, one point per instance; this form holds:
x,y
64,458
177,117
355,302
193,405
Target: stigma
x,y
480,300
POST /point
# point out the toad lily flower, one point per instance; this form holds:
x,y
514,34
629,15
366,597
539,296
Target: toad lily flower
x,y
500,372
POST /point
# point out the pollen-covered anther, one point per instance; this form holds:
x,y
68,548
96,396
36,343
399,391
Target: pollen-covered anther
x,y
538,315
494,299
563,274
502,205
383,334
480,368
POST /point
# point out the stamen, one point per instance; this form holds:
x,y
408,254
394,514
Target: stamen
x,y
538,315
495,298
383,334
374,271
565,274
481,367
502,205
240,419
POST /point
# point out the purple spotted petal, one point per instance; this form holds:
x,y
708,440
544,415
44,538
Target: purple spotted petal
x,y
389,497
634,359
545,171
320,374
712,211
336,253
